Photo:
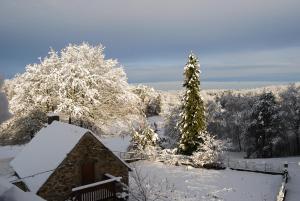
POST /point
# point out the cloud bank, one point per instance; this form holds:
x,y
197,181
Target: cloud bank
x,y
148,36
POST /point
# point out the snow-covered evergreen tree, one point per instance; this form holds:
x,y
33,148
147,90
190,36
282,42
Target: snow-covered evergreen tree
x,y
80,83
192,121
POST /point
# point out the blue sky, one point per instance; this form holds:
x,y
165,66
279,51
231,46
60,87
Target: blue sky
x,y
235,40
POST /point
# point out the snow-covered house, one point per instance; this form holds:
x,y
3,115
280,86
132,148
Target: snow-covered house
x,y
64,160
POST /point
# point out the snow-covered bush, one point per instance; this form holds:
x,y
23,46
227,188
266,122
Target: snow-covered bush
x,y
170,157
77,82
144,140
151,99
210,152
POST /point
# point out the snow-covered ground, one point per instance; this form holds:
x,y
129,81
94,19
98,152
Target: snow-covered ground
x,y
10,151
193,184
9,192
7,153
293,186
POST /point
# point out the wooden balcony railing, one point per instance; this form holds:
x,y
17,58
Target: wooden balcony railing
x,y
99,191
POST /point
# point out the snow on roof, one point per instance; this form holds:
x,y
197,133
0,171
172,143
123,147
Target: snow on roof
x,y
114,153
9,192
45,152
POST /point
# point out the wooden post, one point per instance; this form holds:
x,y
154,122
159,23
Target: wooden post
x,y
285,171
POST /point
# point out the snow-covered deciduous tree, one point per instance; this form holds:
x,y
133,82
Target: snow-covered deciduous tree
x,y
4,113
151,99
77,82
192,115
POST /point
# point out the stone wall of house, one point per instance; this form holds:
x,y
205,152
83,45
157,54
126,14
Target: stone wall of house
x,y
68,175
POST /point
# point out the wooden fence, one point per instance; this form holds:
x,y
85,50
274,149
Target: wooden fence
x,y
254,166
131,156
282,190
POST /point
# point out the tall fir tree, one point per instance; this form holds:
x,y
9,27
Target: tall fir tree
x,y
192,118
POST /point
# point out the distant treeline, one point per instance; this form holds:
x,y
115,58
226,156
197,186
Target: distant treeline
x,y
265,124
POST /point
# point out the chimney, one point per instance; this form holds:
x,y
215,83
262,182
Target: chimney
x,y
52,117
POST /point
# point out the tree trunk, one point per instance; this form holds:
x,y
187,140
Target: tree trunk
x,y
238,137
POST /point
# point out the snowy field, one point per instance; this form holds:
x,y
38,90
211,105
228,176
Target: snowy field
x,y
193,184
